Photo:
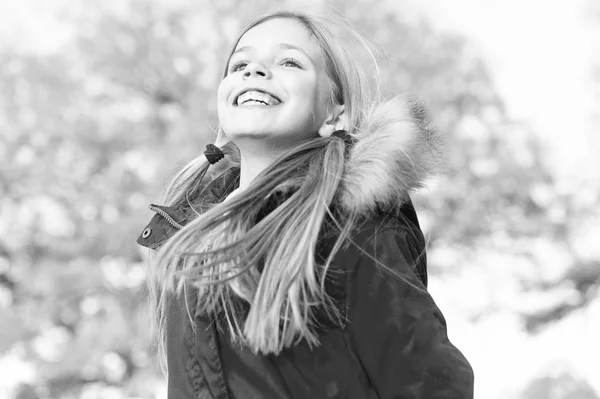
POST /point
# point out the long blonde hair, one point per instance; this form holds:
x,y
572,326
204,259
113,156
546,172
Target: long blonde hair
x,y
222,251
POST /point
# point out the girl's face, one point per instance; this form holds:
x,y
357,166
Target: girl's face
x,y
276,87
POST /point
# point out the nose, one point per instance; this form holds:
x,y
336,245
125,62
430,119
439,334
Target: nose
x,y
258,70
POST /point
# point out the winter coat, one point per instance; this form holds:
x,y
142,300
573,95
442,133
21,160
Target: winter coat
x,y
393,341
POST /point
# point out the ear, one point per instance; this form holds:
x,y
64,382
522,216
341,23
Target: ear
x,y
336,120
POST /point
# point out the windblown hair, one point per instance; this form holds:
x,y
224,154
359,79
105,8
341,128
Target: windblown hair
x,y
269,267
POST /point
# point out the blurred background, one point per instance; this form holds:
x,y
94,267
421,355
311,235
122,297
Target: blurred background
x,y
102,101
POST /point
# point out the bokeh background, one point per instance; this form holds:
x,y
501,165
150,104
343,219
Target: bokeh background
x,y
102,101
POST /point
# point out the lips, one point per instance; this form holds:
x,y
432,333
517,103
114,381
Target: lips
x,y
255,97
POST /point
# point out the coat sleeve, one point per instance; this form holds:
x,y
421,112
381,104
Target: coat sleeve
x,y
397,331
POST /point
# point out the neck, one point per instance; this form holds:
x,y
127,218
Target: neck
x,y
251,165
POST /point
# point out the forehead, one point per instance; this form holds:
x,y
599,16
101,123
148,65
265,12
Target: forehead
x,y
274,32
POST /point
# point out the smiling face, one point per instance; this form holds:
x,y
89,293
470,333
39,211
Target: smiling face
x,y
276,88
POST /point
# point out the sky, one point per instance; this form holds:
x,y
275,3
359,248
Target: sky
x,y
541,54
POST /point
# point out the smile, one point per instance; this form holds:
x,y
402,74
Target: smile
x,y
255,97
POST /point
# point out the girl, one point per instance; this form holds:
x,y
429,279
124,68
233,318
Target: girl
x,y
295,267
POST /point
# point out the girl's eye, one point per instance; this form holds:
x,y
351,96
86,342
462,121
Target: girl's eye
x,y
290,62
238,66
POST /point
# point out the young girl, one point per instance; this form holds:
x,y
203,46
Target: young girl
x,y
295,267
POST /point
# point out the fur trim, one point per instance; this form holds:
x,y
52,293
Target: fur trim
x,y
395,152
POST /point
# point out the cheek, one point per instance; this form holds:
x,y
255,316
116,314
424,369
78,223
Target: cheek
x,y
223,91
325,91
309,92
322,99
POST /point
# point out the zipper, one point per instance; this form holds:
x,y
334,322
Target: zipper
x,y
168,217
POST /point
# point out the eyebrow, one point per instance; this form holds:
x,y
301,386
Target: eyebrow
x,y
285,46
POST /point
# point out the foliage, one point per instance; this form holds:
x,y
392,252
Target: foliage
x,y
563,386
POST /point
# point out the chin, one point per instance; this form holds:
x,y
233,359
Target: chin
x,y
249,133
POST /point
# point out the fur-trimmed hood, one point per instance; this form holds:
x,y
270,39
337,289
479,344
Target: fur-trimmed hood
x,y
396,151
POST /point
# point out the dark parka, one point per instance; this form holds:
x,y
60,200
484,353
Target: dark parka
x,y
392,342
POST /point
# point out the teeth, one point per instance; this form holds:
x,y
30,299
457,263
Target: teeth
x,y
256,97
